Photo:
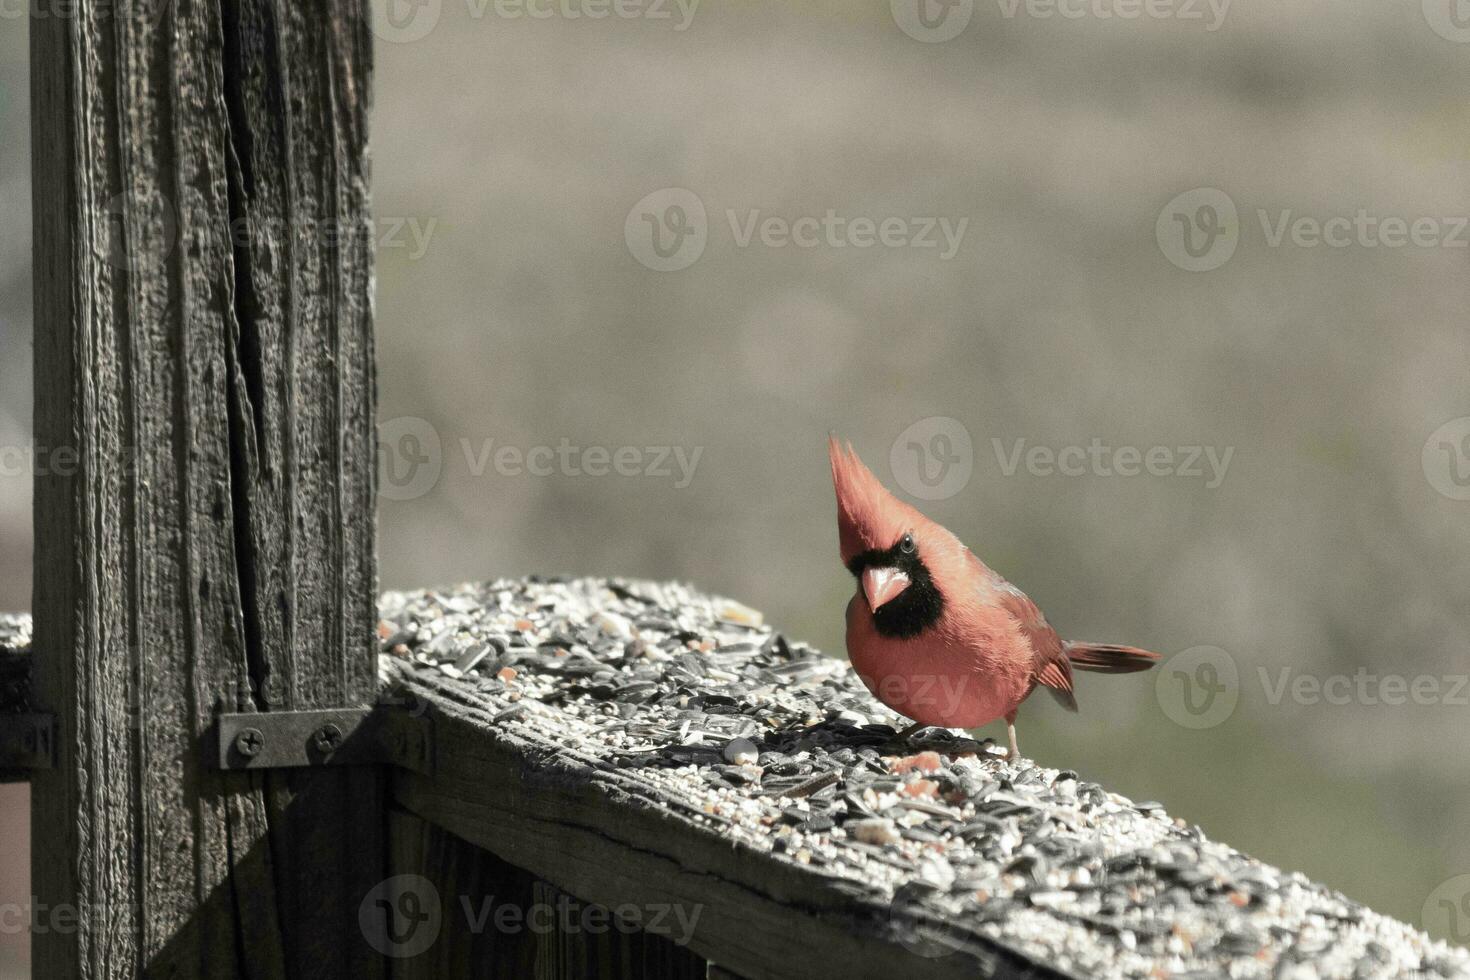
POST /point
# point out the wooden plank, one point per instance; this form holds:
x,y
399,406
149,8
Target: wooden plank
x,y
15,679
203,342
600,733
455,910
436,871
597,944
756,917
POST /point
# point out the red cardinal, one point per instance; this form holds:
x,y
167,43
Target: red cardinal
x,y
935,634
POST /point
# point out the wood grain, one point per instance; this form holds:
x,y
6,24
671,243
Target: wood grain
x,y
204,343
605,839
494,920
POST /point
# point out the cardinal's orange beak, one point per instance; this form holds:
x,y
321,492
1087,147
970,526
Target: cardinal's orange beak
x,y
882,585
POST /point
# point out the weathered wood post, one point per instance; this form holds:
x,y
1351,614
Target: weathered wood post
x,y
204,349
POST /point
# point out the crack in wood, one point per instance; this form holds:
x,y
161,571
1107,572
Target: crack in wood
x,y
215,537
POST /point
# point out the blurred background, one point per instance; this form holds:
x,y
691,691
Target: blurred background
x,y
703,229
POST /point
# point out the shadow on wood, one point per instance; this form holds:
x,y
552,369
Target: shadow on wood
x,y
484,917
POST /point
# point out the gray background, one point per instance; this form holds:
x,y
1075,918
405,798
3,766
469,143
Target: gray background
x,y
521,145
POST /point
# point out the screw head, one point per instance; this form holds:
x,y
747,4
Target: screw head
x,y
328,738
249,742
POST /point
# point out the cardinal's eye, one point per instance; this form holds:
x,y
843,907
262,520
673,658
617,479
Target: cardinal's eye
x,y
906,544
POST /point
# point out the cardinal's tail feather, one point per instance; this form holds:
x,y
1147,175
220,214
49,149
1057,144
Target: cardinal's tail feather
x,y
1056,677
1109,658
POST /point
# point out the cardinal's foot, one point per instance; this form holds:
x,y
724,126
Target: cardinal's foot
x,y
1014,753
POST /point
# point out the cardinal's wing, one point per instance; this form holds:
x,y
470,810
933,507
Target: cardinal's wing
x,y
1051,669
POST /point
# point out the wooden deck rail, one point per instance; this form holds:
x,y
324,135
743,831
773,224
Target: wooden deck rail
x,y
630,779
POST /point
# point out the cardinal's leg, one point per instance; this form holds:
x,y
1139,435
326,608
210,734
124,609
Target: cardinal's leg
x,y
1015,753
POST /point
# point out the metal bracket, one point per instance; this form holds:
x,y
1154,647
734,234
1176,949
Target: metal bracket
x,y
329,737
27,742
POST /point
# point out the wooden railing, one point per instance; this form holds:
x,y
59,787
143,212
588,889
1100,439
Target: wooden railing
x,y
628,779
637,782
